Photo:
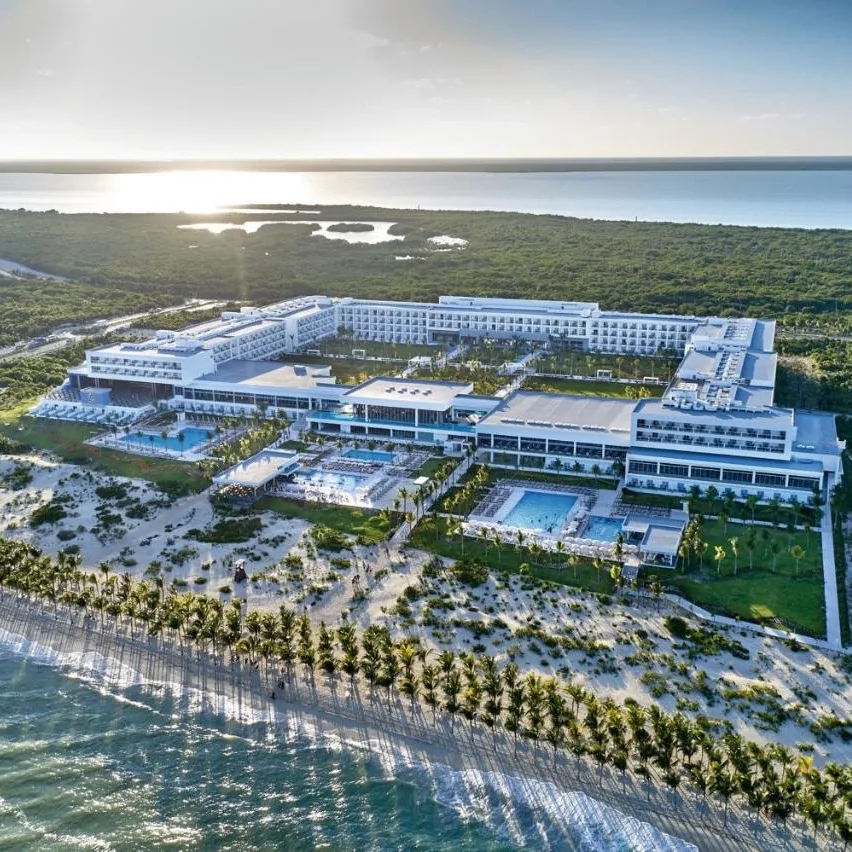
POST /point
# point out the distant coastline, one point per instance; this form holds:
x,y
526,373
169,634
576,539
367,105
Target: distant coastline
x,y
521,165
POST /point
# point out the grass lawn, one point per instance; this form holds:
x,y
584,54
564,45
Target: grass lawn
x,y
66,439
766,594
431,466
485,381
580,387
622,366
431,534
370,527
377,349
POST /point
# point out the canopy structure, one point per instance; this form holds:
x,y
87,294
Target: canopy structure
x,y
257,474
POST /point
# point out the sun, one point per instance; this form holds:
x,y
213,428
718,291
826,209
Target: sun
x,y
202,192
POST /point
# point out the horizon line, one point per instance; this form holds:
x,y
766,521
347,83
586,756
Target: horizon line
x,y
827,162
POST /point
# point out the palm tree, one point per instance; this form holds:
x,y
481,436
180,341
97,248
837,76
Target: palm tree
x,y
535,704
305,651
325,649
456,528
404,495
719,557
797,552
451,687
775,550
751,504
497,542
735,551
429,685
598,564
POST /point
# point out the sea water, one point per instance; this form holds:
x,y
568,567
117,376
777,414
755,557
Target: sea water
x,y
92,759
787,198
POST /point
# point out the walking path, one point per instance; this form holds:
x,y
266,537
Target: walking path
x,y
829,569
401,535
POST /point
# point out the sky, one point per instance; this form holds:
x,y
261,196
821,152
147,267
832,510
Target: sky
x,y
162,79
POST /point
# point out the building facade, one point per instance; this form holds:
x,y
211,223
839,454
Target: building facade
x,y
716,424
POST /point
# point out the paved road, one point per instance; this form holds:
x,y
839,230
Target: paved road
x,y
832,606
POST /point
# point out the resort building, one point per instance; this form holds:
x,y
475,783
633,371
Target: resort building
x,y
405,410
716,423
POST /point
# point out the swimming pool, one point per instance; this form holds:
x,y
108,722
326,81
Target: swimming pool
x,y
602,529
192,437
540,510
370,455
331,479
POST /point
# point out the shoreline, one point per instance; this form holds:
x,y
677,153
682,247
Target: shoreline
x,y
336,714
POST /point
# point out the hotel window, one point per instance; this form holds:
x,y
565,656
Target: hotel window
x,y
774,479
803,482
737,476
678,470
643,467
705,473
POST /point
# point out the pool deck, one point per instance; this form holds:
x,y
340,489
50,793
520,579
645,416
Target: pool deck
x,y
128,443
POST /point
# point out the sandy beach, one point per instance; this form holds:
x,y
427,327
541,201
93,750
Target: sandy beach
x,y
767,691
335,713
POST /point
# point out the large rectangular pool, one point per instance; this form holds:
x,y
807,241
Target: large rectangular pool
x,y
541,510
331,479
370,455
186,440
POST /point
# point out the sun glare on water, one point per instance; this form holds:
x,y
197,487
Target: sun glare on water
x,y
203,191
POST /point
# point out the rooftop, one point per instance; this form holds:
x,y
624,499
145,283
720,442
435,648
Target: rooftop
x,y
408,392
546,410
816,432
268,374
259,469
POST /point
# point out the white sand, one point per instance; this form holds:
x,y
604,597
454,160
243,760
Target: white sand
x,y
809,684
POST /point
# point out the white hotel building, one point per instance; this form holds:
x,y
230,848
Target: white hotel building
x,y
716,423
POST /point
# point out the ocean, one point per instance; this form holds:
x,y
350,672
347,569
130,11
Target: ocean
x,y
90,758
783,197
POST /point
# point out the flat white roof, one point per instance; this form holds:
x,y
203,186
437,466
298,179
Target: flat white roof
x,y
548,410
271,374
259,469
408,393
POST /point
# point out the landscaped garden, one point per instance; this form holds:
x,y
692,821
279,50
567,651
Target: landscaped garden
x,y
755,572
376,348
582,387
485,381
443,536
635,367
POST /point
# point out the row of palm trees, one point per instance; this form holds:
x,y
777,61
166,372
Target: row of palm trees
x,y
659,748
241,438
439,482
